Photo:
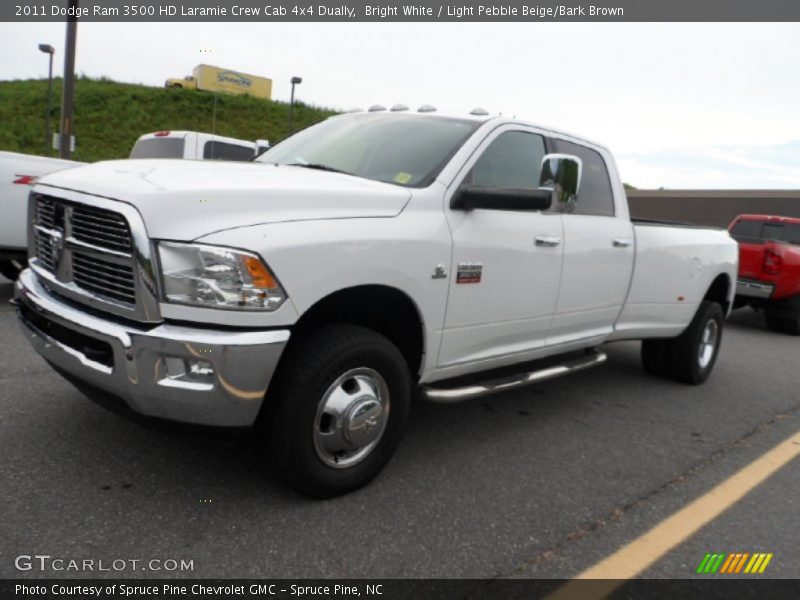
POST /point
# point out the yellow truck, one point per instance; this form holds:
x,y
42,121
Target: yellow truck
x,y
217,79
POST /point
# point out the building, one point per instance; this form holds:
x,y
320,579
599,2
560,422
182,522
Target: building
x,y
711,207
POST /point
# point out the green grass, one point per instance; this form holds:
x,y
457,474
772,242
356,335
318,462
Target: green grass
x,y
110,116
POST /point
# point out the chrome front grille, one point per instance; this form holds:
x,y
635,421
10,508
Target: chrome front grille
x,y
104,278
93,254
100,227
51,220
45,252
46,213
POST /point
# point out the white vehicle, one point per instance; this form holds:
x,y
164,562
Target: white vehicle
x,y
367,259
193,145
20,171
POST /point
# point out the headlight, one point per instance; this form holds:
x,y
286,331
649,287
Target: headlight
x,y
217,277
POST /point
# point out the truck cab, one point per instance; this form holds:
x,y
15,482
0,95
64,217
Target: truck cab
x,y
187,83
192,145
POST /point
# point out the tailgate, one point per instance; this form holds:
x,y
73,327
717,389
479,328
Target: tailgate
x,y
751,259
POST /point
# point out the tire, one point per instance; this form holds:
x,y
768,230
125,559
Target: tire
x,y
336,410
655,357
692,354
10,269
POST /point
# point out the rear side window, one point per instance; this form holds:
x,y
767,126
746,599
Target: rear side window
x,y
783,232
748,232
594,196
224,151
756,232
512,160
160,147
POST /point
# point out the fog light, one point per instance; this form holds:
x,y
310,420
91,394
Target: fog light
x,y
189,373
200,369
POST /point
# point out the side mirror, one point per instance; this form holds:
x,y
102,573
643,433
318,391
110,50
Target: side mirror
x,y
470,197
561,174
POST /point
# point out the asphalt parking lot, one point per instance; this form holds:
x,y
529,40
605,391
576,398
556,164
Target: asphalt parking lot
x,y
540,483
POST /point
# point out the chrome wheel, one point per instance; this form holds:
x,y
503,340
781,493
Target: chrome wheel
x,y
708,344
351,418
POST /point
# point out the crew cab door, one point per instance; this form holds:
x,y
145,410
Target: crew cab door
x,y
598,254
503,284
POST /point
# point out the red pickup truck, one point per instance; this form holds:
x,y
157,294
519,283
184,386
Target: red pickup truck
x,y
769,268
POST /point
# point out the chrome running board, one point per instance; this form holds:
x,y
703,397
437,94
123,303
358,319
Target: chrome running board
x,y
443,395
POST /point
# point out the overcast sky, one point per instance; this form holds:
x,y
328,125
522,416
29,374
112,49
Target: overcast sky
x,y
681,105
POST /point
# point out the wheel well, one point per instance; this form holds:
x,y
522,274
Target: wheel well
x,y
718,292
384,309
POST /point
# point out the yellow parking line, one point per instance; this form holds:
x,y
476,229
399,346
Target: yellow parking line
x,y
635,557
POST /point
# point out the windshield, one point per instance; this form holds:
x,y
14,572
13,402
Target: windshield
x,y
164,147
401,149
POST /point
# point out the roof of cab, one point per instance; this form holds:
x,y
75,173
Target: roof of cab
x,y
471,116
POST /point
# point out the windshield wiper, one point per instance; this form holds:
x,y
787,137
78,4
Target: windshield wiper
x,y
318,167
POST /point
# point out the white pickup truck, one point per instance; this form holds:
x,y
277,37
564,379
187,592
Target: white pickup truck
x,y
193,145
20,171
369,259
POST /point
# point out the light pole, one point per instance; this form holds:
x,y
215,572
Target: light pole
x,y
294,81
65,138
48,49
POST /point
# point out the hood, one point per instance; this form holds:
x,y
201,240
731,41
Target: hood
x,y
184,200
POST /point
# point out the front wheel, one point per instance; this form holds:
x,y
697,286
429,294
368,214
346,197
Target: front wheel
x,y
337,409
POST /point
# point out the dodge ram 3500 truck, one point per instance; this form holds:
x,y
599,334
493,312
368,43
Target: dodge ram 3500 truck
x,y
370,258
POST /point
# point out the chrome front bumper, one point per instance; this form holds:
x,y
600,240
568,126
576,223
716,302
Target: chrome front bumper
x,y
754,289
187,374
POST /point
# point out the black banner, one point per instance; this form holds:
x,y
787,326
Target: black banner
x,y
419,11
743,587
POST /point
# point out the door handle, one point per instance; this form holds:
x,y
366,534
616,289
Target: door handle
x,y
547,241
622,242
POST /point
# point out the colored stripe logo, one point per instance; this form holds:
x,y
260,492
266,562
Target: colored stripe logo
x,y
734,563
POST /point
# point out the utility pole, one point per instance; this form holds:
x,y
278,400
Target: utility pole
x,y
294,81
64,150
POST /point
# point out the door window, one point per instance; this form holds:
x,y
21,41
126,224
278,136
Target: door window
x,y
512,160
594,196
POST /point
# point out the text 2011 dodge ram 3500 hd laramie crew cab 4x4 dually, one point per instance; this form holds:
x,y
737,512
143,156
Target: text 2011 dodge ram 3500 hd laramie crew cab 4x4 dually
x,y
364,260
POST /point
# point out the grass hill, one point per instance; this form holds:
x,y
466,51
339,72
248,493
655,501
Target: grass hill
x,y
109,116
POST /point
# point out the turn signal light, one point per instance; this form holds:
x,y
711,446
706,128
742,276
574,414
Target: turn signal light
x,y
258,272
